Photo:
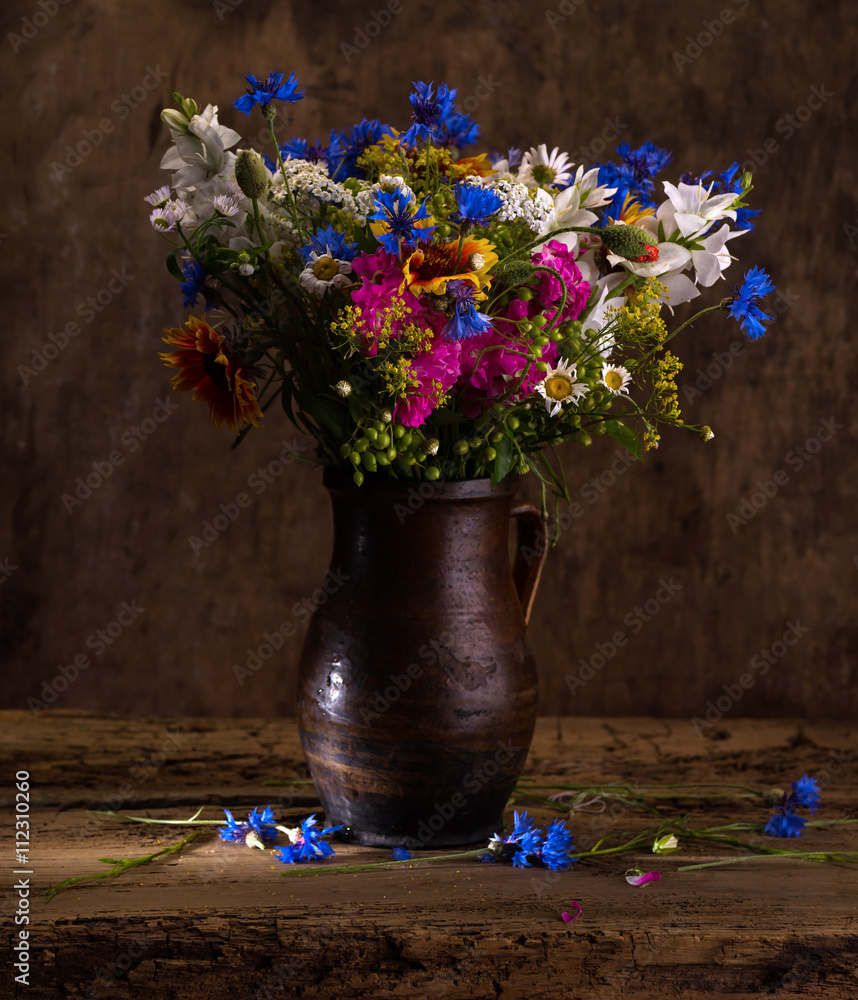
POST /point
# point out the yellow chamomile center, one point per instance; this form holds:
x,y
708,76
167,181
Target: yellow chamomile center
x,y
613,380
558,387
326,268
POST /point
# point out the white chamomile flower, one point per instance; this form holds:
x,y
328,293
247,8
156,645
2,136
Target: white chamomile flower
x,y
323,272
542,169
615,378
560,386
159,198
342,388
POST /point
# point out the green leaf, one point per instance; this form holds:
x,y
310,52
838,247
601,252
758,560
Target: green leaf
x,y
365,239
173,266
327,413
503,461
625,435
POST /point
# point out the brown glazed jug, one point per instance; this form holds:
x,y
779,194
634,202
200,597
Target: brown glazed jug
x,y
417,687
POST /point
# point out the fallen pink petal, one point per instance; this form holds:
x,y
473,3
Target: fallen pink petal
x,y
643,879
572,916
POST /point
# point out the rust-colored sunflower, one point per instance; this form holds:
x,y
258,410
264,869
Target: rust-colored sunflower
x,y
214,372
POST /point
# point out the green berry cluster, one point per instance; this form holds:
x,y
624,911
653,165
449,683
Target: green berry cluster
x,y
378,443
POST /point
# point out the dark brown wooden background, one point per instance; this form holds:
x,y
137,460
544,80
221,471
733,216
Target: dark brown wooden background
x,y
536,79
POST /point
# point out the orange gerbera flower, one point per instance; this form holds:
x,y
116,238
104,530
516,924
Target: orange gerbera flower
x,y
214,373
432,265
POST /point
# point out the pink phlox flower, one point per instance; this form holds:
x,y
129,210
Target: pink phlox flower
x,y
491,361
436,372
559,257
637,877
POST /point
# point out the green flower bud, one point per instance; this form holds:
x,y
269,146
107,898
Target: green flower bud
x,y
371,433
354,457
381,458
361,445
368,460
383,440
345,450
706,433
489,454
631,242
433,472
496,437
665,844
175,120
250,173
513,423
514,272
461,447
357,476
391,454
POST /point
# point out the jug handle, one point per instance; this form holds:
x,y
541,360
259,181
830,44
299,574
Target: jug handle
x,y
530,554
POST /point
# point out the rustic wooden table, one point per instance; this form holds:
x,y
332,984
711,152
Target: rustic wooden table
x,y
216,920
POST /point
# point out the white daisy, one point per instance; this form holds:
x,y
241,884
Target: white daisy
x,y
615,378
342,388
560,386
542,169
159,198
323,272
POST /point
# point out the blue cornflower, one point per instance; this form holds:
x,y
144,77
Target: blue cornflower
x,y
466,321
785,823
512,157
645,161
299,149
476,204
524,841
399,212
309,845
400,854
346,147
458,130
328,242
634,176
261,824
194,284
556,852
430,111
731,180
263,92
743,306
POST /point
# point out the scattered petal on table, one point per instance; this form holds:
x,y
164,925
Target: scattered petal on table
x,y
572,916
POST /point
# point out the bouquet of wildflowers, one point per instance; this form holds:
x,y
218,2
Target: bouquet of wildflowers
x,y
423,313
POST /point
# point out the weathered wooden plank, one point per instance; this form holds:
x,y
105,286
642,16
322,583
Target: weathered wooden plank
x,y
218,921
